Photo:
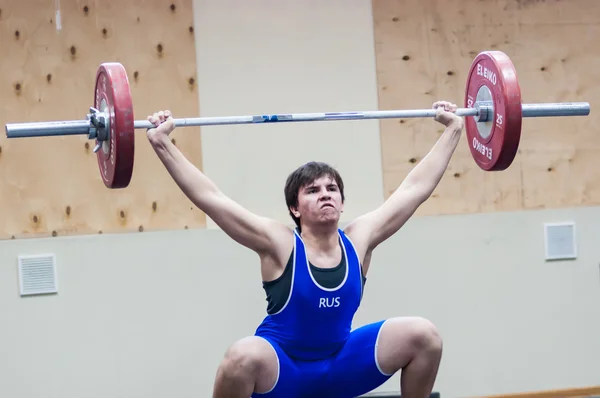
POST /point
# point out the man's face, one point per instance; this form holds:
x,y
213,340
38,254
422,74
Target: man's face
x,y
320,201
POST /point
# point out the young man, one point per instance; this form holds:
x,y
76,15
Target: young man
x,y
314,277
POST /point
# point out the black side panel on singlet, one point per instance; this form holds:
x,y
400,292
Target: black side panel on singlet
x,y
278,290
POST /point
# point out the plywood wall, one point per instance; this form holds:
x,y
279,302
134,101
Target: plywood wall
x,y
51,51
424,49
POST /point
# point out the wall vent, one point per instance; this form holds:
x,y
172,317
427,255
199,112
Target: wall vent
x,y
560,241
37,274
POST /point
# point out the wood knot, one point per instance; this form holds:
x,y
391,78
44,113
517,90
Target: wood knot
x,y
450,73
191,29
141,228
159,48
395,19
18,88
54,233
543,68
122,214
405,58
68,210
86,9
550,169
173,141
35,219
412,160
136,74
172,7
49,77
86,146
456,175
104,32
17,34
154,206
73,50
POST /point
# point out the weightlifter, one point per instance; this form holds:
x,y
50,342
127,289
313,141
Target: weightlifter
x,y
314,275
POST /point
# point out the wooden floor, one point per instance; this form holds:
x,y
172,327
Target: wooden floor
x,y
584,392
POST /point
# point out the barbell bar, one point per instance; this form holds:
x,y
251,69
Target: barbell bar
x,y
83,127
493,112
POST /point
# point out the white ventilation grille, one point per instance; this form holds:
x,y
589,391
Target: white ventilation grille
x,y
560,241
37,274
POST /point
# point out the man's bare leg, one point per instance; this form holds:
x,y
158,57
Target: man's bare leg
x,y
250,365
414,346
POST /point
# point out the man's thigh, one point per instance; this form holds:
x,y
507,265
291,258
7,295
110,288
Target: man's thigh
x,y
355,370
296,379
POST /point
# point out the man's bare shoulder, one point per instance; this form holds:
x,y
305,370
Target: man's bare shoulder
x,y
358,226
358,233
281,237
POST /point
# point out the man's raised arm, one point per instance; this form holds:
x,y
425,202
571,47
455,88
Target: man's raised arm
x,y
250,230
375,227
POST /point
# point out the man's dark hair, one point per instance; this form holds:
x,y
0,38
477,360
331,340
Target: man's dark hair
x,y
305,175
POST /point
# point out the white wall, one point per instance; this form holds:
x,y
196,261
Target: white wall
x,y
287,56
150,315
511,321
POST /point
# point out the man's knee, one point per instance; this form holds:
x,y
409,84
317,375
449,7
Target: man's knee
x,y
405,339
251,360
242,357
416,334
425,335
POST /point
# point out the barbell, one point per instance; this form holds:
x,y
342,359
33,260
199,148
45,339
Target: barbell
x,y
493,117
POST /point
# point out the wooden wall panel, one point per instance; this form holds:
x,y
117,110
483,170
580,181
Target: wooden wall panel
x,y
52,49
424,49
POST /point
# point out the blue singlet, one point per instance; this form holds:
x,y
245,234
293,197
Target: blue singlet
x,y
318,353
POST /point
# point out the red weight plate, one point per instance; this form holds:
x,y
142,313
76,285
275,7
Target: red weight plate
x,y
113,97
494,143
